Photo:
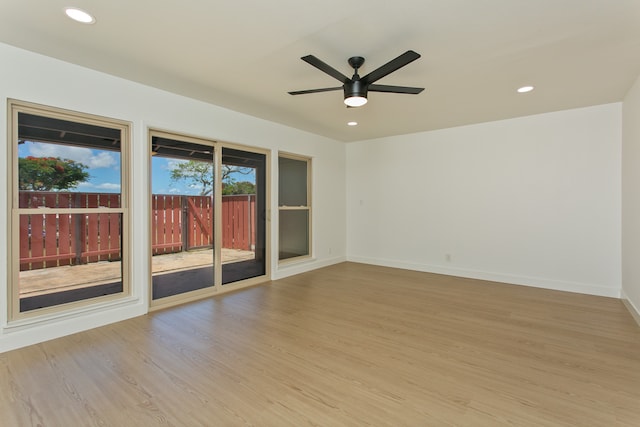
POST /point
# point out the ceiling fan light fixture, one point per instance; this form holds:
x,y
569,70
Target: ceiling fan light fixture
x,y
355,92
355,101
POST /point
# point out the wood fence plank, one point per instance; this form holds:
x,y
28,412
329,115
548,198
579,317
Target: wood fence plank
x,y
254,222
102,240
237,220
50,234
25,239
37,242
154,224
209,223
193,215
174,223
160,222
64,231
227,228
91,230
114,231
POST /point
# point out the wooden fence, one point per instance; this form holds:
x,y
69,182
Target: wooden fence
x,y
179,223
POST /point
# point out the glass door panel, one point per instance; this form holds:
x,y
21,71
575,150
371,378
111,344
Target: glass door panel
x,y
243,251
182,217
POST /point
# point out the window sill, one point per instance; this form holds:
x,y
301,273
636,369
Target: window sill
x,y
73,313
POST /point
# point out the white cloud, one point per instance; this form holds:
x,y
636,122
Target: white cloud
x,y
103,159
104,186
173,164
108,186
94,160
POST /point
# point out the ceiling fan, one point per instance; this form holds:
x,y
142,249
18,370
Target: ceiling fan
x,y
356,87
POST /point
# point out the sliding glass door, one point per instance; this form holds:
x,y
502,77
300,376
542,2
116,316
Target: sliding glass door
x,y
243,215
208,221
182,215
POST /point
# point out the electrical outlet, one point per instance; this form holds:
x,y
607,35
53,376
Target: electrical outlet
x,y
447,257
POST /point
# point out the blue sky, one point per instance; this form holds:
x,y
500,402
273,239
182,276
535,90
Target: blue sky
x,y
104,168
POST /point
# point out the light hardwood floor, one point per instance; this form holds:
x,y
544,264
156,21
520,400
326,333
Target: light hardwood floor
x,y
345,345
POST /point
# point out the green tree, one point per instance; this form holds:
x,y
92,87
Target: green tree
x,y
49,173
200,175
242,187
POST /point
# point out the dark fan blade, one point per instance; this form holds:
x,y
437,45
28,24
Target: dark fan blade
x,y
326,89
395,89
310,59
390,67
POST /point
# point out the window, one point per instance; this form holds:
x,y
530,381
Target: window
x,y
294,206
68,209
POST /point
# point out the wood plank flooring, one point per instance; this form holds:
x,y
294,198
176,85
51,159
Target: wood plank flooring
x,y
347,345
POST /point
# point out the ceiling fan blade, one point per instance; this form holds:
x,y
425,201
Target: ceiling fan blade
x,y
326,68
390,67
326,89
395,89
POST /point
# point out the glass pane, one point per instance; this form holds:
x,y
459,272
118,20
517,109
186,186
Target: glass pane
x,y
292,182
243,215
67,157
65,164
294,233
182,217
69,257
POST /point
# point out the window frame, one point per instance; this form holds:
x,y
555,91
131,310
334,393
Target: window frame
x,y
13,268
307,208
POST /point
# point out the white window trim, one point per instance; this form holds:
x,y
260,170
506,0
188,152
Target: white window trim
x,y
15,318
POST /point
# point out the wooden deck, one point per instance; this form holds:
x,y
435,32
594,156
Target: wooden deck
x,y
347,345
57,279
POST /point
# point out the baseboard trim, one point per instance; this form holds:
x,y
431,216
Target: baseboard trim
x,y
27,332
304,266
536,282
635,312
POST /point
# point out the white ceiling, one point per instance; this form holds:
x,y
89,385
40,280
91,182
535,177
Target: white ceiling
x,y
245,54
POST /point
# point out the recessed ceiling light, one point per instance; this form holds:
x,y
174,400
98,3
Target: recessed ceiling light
x,y
352,123
79,15
525,89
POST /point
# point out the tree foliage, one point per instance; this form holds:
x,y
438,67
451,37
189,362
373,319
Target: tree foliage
x,y
200,175
196,174
242,187
49,173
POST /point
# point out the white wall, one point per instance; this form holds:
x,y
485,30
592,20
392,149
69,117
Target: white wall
x,y
631,198
35,78
534,201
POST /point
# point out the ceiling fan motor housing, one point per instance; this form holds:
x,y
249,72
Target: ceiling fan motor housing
x,y
355,88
